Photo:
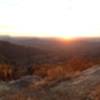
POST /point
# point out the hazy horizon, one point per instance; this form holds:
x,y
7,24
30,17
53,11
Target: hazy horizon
x,y
44,36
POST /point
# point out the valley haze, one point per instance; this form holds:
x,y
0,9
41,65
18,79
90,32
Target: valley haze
x,y
49,68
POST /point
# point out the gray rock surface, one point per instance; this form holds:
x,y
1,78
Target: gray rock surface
x,y
79,87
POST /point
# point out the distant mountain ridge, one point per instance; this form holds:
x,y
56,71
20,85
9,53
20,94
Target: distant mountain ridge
x,y
48,50
16,53
36,42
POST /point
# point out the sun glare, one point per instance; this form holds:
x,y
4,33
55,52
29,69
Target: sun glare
x,y
50,18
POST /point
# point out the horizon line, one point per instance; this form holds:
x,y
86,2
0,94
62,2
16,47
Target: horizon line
x,y
52,37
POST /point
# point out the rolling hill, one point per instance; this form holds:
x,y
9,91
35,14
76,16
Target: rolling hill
x,y
49,69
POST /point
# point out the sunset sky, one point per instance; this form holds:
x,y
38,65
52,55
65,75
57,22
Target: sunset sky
x,y
50,18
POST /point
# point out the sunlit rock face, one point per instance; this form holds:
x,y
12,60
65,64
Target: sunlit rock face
x,y
83,86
